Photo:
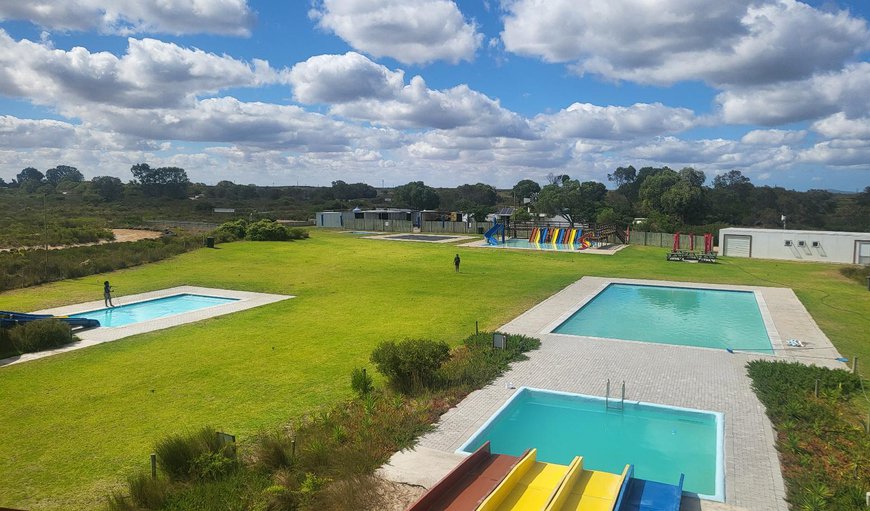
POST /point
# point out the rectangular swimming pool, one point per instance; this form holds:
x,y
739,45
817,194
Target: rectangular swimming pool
x,y
709,318
662,442
152,309
523,243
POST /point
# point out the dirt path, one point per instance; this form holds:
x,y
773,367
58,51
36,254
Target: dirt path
x,y
121,236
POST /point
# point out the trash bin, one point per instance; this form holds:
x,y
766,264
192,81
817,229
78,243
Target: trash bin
x,y
209,242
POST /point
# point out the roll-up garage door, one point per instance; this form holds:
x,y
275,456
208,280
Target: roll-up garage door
x,y
738,245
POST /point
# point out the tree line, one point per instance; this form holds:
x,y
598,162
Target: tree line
x,y
662,198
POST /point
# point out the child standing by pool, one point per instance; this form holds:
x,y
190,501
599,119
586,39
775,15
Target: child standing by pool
x,y
107,294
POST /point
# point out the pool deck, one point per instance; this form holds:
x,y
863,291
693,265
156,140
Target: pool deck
x,y
608,250
701,378
421,237
245,300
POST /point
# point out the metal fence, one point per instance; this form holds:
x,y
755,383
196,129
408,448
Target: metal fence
x,y
370,224
664,239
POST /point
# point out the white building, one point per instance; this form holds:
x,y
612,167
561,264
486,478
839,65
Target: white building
x,y
820,246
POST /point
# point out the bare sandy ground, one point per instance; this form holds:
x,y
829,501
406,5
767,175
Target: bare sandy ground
x,y
121,236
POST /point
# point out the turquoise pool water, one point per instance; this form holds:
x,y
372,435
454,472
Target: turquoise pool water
x,y
522,243
152,309
709,318
661,442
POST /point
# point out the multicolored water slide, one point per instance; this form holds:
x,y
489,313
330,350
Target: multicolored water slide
x,y
494,482
555,235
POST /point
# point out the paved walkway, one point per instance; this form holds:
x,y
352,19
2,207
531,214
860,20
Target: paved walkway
x,y
701,378
245,300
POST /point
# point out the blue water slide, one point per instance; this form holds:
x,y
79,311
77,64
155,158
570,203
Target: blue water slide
x,y
544,232
491,234
8,319
642,495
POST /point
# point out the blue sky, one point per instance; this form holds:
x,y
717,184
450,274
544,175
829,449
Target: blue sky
x,y
448,92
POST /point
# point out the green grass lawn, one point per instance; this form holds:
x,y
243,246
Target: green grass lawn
x,y
74,425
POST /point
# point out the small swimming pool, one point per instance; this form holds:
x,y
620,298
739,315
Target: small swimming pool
x,y
523,243
152,309
662,442
709,318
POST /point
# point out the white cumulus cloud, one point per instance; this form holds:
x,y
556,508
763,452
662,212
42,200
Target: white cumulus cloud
x,y
410,31
227,17
584,120
663,42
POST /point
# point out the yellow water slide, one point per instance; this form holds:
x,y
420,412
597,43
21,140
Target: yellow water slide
x,y
572,236
587,490
528,487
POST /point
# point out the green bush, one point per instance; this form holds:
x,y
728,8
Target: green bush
x,y
7,347
360,381
148,492
231,231
476,362
39,335
410,365
297,233
267,230
194,456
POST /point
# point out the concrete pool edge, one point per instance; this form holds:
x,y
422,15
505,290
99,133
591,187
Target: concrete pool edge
x,y
774,313
244,300
718,496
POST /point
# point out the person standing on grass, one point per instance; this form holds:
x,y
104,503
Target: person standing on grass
x,y
456,262
107,294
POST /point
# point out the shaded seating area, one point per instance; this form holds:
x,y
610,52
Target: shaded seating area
x,y
691,255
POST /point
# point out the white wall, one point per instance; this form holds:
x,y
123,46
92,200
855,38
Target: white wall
x,y
834,247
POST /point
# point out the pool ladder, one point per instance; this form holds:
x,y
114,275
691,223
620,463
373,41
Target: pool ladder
x,y
616,405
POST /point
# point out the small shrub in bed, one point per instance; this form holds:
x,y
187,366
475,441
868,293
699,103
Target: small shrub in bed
x,y
199,455
410,365
40,335
360,381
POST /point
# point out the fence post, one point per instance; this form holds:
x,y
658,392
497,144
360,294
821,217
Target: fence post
x,y
153,466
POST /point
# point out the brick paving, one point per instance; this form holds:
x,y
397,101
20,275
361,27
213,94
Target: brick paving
x,y
702,378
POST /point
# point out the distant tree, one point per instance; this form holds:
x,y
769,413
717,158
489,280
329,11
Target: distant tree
x,y
479,194
166,181
3,183
577,202
416,195
654,187
344,191
109,188
63,173
733,179
29,179
525,189
623,176
558,179
694,177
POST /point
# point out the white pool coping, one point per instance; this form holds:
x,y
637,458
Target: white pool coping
x,y
433,238
243,300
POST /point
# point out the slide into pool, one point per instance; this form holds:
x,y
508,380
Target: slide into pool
x,y
529,486
8,319
491,234
535,236
591,490
643,495
468,484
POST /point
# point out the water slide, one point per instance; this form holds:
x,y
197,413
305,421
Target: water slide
x,y
584,242
587,490
491,234
536,233
468,484
572,237
8,319
555,238
643,495
528,487
544,233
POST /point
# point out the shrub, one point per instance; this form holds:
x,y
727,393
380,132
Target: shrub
x,y
273,451
230,231
410,365
7,347
147,492
297,233
267,230
360,381
192,456
40,335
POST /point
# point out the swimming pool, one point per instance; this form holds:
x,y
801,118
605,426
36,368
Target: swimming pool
x,y
152,309
523,243
660,441
709,318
